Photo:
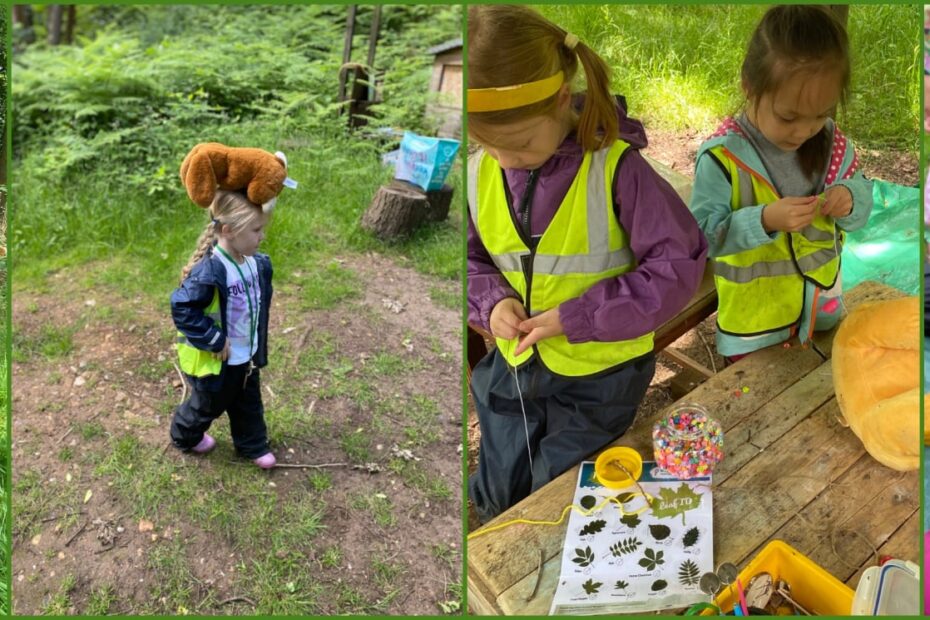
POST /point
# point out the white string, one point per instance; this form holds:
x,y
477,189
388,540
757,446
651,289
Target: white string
x,y
526,427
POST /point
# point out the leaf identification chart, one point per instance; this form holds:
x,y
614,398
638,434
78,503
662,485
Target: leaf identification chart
x,y
645,560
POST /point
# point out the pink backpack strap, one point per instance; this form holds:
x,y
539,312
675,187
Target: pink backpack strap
x,y
836,158
727,126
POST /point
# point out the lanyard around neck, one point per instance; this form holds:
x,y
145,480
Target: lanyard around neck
x,y
248,297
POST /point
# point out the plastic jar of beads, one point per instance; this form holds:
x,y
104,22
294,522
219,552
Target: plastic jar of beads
x,y
688,443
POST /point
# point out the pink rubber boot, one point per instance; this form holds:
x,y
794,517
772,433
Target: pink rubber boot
x,y
266,461
206,444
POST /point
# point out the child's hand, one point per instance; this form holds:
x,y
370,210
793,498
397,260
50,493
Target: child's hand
x,y
838,202
541,326
506,317
224,354
789,214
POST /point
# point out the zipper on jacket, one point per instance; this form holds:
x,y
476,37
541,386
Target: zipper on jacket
x,y
527,261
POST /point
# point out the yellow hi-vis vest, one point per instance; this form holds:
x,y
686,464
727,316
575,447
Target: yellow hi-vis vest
x,y
583,245
762,290
196,362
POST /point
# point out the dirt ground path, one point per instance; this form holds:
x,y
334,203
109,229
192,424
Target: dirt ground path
x,y
108,518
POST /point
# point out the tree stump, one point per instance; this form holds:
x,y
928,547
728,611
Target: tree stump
x,y
395,212
439,202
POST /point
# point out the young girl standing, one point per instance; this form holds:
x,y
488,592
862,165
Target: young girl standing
x,y
221,312
577,251
776,187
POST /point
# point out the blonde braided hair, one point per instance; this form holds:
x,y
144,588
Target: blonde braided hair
x,y
230,209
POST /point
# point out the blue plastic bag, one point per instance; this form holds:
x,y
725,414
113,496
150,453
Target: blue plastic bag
x,y
424,161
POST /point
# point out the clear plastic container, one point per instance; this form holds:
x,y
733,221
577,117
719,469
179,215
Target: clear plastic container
x,y
892,589
688,443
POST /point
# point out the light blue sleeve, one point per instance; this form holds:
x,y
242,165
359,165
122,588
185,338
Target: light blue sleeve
x,y
861,190
727,231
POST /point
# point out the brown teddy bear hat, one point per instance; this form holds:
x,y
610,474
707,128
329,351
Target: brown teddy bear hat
x,y
211,166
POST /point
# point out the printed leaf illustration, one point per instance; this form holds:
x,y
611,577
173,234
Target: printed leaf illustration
x,y
625,497
585,556
630,521
688,573
658,584
671,503
621,585
588,502
591,587
660,532
652,559
626,546
593,528
691,537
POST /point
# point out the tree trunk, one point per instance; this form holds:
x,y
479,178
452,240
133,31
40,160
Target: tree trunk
x,y
24,16
70,24
53,23
395,212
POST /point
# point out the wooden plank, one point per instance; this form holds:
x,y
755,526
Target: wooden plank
x,y
903,544
767,373
768,491
869,527
852,502
687,361
751,436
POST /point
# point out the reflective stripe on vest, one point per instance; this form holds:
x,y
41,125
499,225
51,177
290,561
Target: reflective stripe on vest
x,y
197,362
583,244
762,289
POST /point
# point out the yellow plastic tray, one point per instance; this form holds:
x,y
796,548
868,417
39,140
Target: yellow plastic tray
x,y
815,589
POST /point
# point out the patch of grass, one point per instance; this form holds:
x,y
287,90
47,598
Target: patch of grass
x,y
52,342
328,286
60,602
176,584
378,505
90,430
332,557
321,481
679,66
350,601
385,364
282,586
430,485
153,370
386,576
422,413
65,454
100,601
357,445
443,296
447,555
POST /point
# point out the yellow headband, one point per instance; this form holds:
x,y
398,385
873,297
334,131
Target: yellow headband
x,y
507,97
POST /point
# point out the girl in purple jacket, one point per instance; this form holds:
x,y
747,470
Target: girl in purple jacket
x,y
577,251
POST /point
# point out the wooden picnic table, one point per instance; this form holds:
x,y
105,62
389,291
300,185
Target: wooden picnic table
x,y
792,471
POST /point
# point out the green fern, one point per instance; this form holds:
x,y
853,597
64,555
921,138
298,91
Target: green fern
x,y
625,547
688,573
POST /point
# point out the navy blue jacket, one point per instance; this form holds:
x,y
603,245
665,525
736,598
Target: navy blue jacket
x,y
190,300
